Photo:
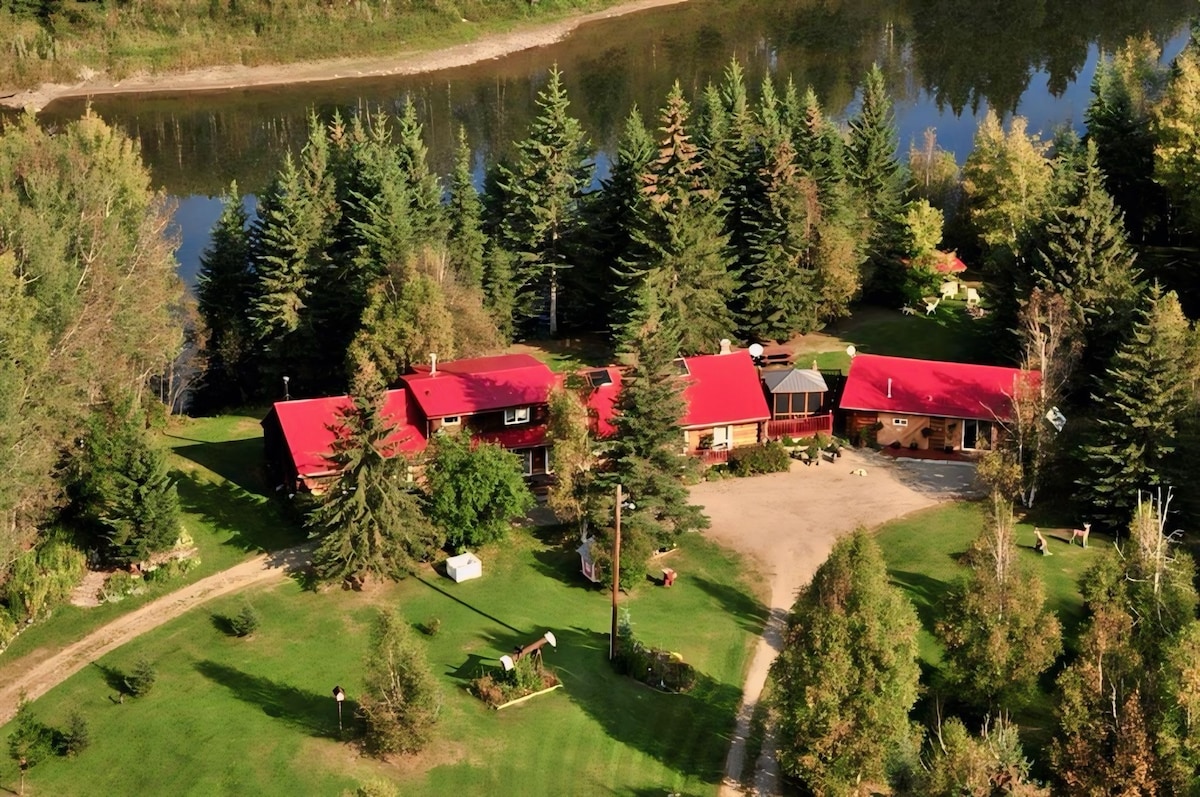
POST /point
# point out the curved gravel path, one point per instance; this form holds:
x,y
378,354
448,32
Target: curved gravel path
x,y
40,671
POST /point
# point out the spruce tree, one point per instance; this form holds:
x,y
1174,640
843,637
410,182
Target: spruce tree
x,y
847,675
645,456
223,296
122,491
367,523
1084,256
543,189
875,172
1176,128
1141,400
686,274
400,702
466,241
429,221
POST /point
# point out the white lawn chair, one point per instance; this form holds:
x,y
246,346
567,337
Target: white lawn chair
x,y
972,296
949,289
931,305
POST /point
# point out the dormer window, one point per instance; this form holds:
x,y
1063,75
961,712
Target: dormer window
x,y
516,415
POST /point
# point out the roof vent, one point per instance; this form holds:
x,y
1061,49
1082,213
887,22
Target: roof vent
x,y
889,387
432,364
725,346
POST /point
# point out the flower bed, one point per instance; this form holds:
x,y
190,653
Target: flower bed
x,y
527,678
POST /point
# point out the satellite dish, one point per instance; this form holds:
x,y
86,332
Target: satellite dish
x,y
851,351
755,349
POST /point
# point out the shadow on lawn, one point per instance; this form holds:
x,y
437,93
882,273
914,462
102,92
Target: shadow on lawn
x,y
926,593
239,461
750,613
687,733
251,523
299,708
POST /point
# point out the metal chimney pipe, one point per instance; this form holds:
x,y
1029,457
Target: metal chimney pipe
x,y
432,364
889,387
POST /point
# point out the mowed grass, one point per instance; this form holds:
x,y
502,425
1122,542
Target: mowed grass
x,y
257,716
950,334
217,466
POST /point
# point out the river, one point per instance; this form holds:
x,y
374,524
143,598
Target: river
x,y
946,62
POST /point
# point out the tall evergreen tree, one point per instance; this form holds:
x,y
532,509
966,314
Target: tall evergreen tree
x,y
686,275
1083,256
123,494
429,221
400,702
848,673
223,296
367,524
1142,399
405,320
1177,132
465,241
543,188
1125,88
876,173
645,456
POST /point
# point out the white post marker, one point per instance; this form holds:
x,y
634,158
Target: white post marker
x,y
339,694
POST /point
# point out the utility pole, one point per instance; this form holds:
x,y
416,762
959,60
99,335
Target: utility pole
x,y
616,579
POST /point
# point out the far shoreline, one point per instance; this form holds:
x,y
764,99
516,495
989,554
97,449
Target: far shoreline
x,y
219,78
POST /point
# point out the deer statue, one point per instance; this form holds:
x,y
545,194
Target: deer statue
x,y
1082,534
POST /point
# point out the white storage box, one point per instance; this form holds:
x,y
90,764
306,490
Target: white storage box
x,y
464,566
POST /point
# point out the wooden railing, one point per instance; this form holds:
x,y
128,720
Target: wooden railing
x,y
801,427
710,457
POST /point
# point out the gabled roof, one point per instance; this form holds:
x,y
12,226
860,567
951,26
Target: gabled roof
x,y
310,428
601,398
722,389
482,384
796,380
930,387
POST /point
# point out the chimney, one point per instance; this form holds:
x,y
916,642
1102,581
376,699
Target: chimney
x,y
889,387
725,346
433,364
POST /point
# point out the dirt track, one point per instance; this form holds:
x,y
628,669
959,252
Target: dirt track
x,y
787,523
38,672
406,63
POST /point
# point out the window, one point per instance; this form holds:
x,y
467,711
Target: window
x,y
516,415
899,421
451,420
599,378
526,455
976,435
547,460
722,437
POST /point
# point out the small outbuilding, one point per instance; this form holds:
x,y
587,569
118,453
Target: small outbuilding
x,y
795,393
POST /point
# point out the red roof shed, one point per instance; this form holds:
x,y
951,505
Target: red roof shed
x,y
928,387
482,384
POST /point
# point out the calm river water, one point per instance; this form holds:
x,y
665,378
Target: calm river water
x,y
947,61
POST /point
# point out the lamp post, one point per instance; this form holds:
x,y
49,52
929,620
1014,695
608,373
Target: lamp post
x,y
339,694
286,396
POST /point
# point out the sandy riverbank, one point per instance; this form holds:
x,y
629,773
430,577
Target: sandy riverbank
x,y
405,63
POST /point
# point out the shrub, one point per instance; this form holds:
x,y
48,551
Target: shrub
x,y
246,621
766,458
788,442
431,626
173,569
140,680
527,676
660,669
43,578
8,629
77,736
375,787
121,585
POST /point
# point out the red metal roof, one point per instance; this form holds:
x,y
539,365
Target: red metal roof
x,y
601,401
723,389
929,387
482,384
948,263
309,428
512,439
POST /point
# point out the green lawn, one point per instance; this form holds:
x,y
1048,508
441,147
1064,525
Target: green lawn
x,y
257,717
950,334
217,465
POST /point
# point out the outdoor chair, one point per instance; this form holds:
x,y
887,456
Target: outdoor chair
x,y
972,296
949,289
